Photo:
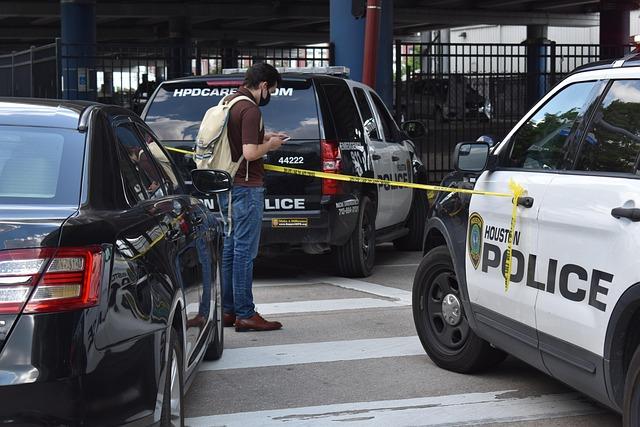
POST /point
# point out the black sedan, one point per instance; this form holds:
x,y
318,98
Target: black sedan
x,y
109,271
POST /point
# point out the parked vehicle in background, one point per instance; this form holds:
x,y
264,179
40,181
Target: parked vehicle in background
x,y
443,98
336,126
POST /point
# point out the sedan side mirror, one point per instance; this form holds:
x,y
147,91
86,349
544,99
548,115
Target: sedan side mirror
x,y
414,129
209,181
471,156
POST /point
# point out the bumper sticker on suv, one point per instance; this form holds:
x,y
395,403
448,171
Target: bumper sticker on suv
x,y
289,222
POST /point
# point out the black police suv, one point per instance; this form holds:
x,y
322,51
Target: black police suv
x,y
337,126
109,272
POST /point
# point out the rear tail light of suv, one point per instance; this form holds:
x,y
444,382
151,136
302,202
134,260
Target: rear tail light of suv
x,y
330,164
49,280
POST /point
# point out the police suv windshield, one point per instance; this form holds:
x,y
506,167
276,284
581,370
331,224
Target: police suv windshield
x,y
175,112
40,166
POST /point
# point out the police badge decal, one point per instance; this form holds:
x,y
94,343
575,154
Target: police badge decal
x,y
474,238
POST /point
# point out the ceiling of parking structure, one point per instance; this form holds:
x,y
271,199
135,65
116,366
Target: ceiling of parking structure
x,y
272,22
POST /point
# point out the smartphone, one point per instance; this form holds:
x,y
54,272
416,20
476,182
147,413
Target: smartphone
x,y
286,138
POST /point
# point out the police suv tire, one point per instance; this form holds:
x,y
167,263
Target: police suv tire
x,y
631,403
175,353
415,223
357,257
471,353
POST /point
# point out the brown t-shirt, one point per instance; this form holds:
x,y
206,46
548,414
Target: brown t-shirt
x,y
244,128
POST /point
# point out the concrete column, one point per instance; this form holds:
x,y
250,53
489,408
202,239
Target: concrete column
x,y
443,60
614,28
179,63
78,44
230,54
347,36
426,37
536,63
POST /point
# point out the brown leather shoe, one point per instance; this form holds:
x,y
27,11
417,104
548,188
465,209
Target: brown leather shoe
x,y
228,319
256,323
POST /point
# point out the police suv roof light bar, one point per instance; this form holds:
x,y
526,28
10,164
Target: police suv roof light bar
x,y
333,70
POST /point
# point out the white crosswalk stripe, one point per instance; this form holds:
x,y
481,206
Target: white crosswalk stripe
x,y
452,410
334,351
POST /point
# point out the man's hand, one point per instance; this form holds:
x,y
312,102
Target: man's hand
x,y
275,141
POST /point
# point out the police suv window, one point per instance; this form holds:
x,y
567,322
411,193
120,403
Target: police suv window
x,y
370,123
148,174
343,111
177,109
543,141
388,125
166,169
612,143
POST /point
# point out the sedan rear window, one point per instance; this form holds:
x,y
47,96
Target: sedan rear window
x,y
40,165
175,112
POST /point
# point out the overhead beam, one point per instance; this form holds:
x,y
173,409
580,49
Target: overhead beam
x,y
162,9
560,4
299,24
133,33
475,17
501,3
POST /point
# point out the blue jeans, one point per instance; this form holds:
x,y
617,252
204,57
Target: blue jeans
x,y
240,249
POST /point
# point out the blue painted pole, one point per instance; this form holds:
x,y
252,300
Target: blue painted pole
x,y
78,44
347,35
384,80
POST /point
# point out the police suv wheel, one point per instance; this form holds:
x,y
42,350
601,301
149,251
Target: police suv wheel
x,y
415,223
440,319
631,405
356,257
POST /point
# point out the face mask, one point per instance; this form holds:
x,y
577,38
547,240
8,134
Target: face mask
x,y
264,100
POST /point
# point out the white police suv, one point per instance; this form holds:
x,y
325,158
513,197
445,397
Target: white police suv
x,y
572,308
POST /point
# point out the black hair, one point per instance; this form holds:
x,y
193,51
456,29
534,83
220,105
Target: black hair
x,y
262,72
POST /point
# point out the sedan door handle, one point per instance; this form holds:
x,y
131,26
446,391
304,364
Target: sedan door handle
x,y
395,158
631,213
375,157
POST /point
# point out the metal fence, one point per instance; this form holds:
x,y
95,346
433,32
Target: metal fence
x,y
461,91
31,73
127,74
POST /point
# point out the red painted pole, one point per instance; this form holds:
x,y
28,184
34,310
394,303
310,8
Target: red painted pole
x,y
371,40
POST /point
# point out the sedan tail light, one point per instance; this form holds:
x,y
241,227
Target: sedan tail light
x,y
49,279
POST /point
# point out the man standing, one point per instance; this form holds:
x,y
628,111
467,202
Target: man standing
x,y
247,137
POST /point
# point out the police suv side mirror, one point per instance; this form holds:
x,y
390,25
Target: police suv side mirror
x,y
209,181
471,156
488,139
414,129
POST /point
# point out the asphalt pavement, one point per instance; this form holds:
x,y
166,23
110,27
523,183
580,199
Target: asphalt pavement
x,y
348,352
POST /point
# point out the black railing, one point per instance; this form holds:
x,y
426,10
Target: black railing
x,y
462,91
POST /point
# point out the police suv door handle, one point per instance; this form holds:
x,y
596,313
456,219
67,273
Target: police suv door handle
x,y
525,202
631,213
395,158
375,157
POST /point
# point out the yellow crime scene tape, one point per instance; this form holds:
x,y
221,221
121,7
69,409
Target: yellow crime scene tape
x,y
516,192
